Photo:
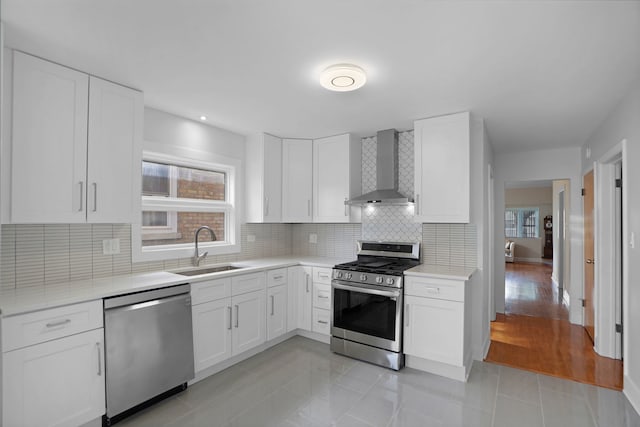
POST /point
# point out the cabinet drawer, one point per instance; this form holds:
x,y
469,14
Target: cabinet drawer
x,y
210,290
45,325
247,283
276,277
321,320
452,290
322,296
322,275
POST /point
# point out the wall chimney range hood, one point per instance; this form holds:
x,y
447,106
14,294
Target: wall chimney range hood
x,y
386,191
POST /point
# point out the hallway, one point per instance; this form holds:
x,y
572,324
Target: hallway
x,y
535,333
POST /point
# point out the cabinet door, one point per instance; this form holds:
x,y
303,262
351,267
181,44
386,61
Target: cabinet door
x,y
264,178
249,326
434,329
211,332
276,311
294,277
57,383
442,163
48,143
305,298
114,152
297,180
334,180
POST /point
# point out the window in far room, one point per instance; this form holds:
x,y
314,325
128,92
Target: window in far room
x,y
521,222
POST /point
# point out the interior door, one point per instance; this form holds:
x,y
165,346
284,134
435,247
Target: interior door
x,y
588,254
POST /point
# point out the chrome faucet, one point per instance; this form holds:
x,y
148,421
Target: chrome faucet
x,y
197,257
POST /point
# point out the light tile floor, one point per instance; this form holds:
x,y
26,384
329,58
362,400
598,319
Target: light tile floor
x,y
301,383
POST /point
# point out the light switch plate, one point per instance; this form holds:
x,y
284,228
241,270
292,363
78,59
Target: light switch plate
x,y
313,238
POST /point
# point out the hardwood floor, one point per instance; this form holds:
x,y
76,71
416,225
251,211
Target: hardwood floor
x,y
530,291
536,334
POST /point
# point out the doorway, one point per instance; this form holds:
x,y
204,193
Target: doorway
x,y
535,333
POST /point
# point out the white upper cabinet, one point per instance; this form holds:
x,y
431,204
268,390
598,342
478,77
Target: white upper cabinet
x,y
337,177
442,168
114,154
75,146
49,142
297,180
264,179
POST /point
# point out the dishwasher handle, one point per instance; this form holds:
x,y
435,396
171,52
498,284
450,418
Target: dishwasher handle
x,y
146,296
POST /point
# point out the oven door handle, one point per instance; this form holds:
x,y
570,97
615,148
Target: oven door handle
x,y
367,290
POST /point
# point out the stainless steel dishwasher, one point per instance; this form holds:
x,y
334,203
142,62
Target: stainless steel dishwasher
x,y
149,348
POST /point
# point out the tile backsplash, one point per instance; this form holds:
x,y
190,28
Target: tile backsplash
x,y
35,254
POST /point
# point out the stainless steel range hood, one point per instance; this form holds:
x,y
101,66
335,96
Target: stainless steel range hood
x,y
386,191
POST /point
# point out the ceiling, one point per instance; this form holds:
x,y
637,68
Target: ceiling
x,y
541,73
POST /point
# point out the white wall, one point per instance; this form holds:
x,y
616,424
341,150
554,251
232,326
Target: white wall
x,y
561,163
481,158
558,186
624,123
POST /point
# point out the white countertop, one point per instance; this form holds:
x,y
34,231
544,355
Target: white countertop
x,y
23,300
441,272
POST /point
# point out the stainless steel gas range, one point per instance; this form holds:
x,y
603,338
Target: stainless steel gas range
x,y
366,321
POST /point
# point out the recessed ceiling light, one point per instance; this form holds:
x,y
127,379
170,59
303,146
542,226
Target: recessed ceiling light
x,y
343,77
203,118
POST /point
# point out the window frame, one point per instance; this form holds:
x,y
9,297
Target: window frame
x,y
230,243
520,226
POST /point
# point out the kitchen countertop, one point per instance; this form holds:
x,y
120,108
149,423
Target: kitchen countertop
x,y
441,272
24,300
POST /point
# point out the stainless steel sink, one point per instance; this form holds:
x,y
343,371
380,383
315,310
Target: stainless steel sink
x,y
209,270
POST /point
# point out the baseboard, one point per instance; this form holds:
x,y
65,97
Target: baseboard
x,y
532,260
314,336
632,392
460,373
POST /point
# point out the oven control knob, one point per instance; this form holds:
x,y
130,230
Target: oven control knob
x,y
363,277
390,280
338,274
347,276
379,279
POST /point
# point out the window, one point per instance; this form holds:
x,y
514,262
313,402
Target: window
x,y
521,222
178,196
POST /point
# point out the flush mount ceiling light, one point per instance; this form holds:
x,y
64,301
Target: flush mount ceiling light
x,y
343,78
203,118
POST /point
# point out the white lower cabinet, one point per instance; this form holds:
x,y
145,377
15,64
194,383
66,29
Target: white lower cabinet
x,y
249,321
55,383
211,332
321,321
276,311
434,329
300,283
437,326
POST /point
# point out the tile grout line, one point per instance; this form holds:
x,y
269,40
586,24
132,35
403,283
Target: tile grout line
x,y
544,424
495,401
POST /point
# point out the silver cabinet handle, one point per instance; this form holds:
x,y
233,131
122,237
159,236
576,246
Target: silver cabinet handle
x,y
309,207
324,322
272,305
95,196
406,315
58,323
307,282
323,275
81,196
237,315
99,359
432,290
230,317
417,210
346,208
266,205
278,277
323,297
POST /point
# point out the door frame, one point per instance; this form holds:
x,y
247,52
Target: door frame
x,y
605,241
